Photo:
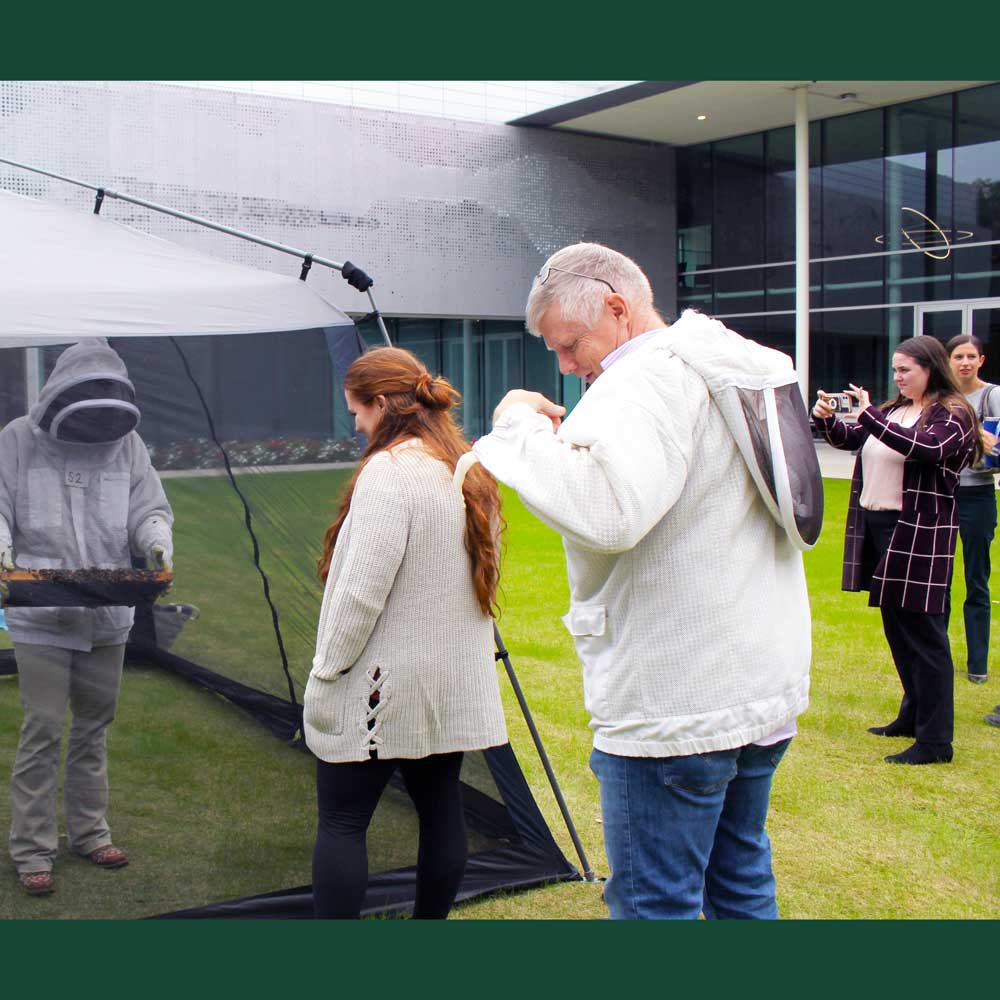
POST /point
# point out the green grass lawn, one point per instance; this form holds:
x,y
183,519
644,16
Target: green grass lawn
x,y
212,807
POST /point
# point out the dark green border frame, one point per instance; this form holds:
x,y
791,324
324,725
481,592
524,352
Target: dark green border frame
x,y
779,40
783,39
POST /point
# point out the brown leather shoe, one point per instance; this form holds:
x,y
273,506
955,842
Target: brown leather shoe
x,y
108,856
37,883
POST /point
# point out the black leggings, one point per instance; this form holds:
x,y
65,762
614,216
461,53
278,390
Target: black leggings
x,y
348,794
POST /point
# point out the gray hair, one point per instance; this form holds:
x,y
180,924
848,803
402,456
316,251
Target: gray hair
x,y
582,298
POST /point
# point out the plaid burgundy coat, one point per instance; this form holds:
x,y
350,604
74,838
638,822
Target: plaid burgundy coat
x,y
915,573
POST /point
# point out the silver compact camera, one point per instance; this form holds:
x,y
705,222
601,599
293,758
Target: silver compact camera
x,y
840,402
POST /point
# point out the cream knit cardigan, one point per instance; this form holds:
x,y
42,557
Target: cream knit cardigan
x,y
688,604
399,600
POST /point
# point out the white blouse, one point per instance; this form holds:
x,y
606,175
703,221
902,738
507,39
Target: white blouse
x,y
882,467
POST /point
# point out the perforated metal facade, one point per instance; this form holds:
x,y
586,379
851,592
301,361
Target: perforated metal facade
x,y
452,218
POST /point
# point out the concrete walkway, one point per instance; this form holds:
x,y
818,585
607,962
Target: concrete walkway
x,y
834,463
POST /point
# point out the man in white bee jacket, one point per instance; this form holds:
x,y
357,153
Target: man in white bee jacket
x,y
77,490
685,485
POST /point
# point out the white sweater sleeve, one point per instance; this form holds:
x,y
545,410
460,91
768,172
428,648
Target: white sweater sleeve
x,y
609,475
376,539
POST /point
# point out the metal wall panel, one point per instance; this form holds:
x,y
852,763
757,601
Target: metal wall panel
x,y
452,218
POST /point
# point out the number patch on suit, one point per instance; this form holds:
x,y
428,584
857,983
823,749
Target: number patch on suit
x,y
80,478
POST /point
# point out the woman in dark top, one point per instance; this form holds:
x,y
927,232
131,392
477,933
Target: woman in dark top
x,y
977,506
901,529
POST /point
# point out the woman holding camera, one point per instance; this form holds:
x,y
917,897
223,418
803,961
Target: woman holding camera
x,y
404,674
977,505
901,529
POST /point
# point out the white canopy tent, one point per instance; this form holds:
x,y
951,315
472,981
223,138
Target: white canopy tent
x,y
67,274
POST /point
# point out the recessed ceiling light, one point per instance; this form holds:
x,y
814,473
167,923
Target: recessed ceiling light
x,y
701,118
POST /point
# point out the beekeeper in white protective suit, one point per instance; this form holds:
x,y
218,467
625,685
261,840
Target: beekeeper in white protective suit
x,y
77,490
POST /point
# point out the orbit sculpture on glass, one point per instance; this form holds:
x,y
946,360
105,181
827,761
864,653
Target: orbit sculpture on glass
x,y
921,238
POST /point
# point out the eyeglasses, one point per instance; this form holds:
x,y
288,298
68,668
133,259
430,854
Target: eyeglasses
x,y
545,273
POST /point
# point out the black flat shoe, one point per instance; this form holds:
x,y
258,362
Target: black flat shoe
x,y
893,729
921,753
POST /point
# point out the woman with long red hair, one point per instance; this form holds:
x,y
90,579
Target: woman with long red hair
x,y
404,674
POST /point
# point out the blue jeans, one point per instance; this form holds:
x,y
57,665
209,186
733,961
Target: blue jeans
x,y
685,835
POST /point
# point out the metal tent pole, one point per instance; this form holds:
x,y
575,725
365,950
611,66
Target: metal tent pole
x,y
354,275
363,283
502,654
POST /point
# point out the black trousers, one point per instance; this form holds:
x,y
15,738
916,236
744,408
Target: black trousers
x,y
922,655
347,795
977,522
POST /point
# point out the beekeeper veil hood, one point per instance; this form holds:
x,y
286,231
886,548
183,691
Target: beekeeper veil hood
x,y
88,398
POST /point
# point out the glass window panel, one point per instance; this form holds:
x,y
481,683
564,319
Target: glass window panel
x,y
919,198
736,291
694,250
753,327
916,277
572,391
851,202
851,346
780,166
694,223
853,282
977,191
694,186
13,395
943,325
462,351
986,326
780,334
421,337
541,367
697,292
372,335
780,287
739,201
977,272
503,358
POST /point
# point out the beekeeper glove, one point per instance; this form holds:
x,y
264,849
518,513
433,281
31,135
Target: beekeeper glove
x,y
159,557
6,545
6,555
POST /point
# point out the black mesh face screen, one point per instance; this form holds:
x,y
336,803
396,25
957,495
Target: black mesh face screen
x,y
92,424
97,425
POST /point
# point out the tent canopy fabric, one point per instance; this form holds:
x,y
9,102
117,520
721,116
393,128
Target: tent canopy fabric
x,y
67,274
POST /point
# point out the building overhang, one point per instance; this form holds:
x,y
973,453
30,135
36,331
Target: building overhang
x,y
668,111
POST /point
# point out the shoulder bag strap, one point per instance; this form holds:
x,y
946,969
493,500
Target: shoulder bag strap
x,y
984,401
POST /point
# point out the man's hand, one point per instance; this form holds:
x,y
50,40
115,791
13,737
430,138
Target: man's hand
x,y
538,402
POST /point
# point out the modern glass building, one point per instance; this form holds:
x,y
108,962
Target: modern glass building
x,y
904,234
697,180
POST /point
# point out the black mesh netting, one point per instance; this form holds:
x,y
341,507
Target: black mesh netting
x,y
274,404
